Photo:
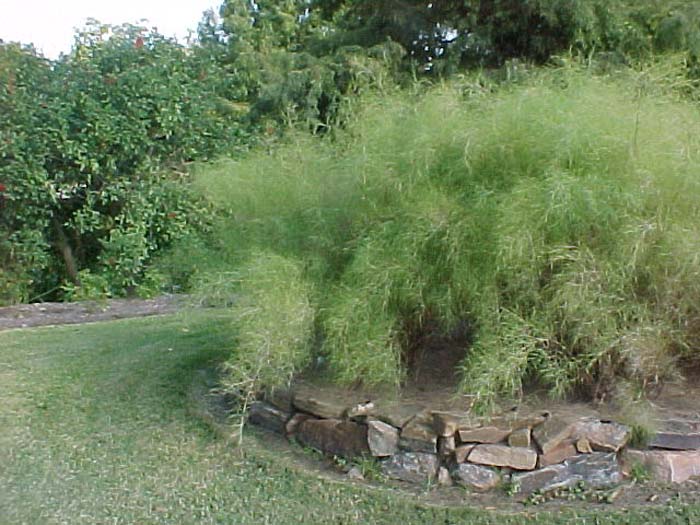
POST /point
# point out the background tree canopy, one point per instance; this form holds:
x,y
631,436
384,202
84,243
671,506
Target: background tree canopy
x,y
86,143
92,145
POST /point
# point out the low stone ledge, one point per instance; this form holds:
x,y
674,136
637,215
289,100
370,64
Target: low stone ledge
x,y
676,441
668,466
414,443
308,401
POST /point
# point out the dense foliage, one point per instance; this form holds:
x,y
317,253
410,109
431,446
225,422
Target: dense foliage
x,y
85,141
442,37
543,221
557,220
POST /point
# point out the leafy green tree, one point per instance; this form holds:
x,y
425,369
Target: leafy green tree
x,y
283,70
442,36
87,144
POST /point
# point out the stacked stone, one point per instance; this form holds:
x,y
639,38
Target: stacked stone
x,y
674,454
531,452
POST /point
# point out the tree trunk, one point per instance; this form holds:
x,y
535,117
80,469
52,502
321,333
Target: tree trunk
x,y
67,253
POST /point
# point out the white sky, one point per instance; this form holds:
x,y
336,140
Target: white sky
x,y
50,24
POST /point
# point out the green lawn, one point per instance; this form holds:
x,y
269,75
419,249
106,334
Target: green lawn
x,y
96,427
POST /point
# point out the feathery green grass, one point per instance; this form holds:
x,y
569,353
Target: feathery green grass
x,y
558,218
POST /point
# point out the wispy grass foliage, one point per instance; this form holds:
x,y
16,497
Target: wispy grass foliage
x,y
559,218
274,325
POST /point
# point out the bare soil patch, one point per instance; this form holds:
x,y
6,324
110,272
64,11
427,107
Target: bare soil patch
x,y
44,314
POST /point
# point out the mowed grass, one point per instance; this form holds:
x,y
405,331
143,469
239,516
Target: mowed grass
x,y
97,426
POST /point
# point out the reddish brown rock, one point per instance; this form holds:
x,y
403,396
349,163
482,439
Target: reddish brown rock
x,y
606,436
293,424
475,477
414,467
307,400
504,456
462,452
383,439
665,465
559,454
483,435
520,438
552,432
332,436
267,416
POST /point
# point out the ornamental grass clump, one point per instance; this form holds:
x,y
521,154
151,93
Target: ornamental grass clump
x,y
274,319
557,218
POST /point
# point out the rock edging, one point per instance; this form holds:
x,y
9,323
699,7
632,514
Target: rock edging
x,y
530,452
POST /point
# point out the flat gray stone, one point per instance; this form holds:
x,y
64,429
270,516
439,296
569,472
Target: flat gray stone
x,y
529,482
597,470
267,416
413,467
676,441
382,438
504,456
332,436
475,477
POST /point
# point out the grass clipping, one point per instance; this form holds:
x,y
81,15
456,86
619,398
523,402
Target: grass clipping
x,y
558,218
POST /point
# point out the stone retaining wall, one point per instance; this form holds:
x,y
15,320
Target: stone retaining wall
x,y
531,452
